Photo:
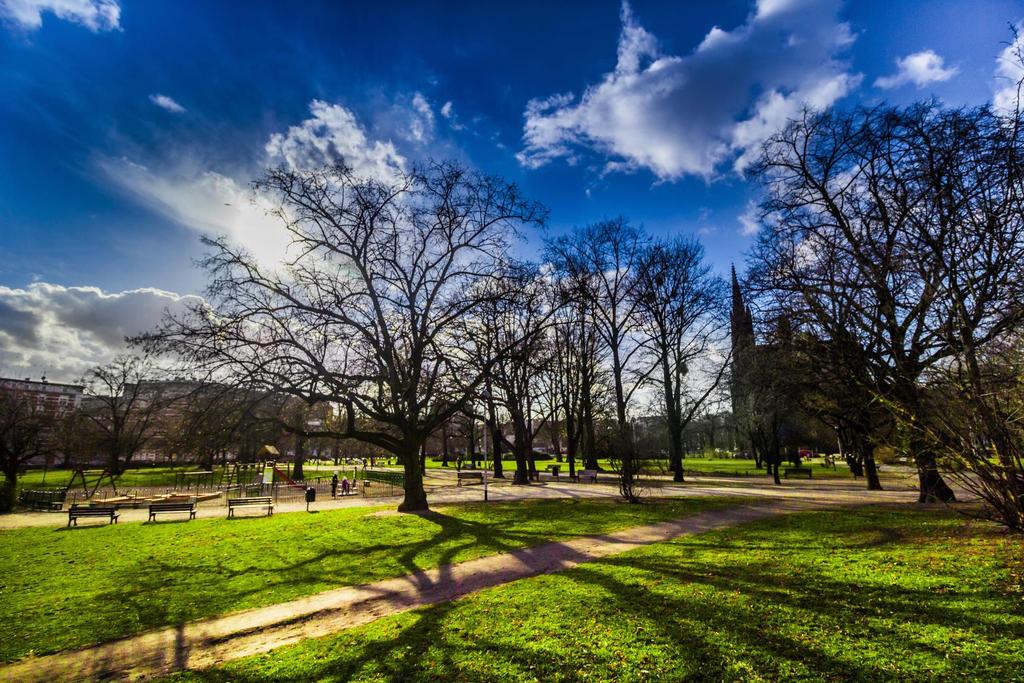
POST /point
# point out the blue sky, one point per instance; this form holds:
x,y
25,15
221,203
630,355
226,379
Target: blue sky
x,y
130,128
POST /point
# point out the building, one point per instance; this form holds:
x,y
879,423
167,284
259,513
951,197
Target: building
x,y
52,397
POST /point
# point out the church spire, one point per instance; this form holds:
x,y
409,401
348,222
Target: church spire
x,y
741,322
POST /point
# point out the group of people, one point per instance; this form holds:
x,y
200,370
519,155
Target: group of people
x,y
346,487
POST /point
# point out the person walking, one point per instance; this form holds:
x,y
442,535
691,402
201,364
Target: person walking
x,y
334,485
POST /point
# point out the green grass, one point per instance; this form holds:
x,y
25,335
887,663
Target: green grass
x,y
867,595
67,588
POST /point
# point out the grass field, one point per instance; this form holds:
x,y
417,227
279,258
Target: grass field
x,y
67,588
867,595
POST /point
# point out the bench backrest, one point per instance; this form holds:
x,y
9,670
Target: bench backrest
x,y
89,510
172,507
587,473
471,475
249,501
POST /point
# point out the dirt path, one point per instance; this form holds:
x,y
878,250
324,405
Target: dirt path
x,y
212,641
697,486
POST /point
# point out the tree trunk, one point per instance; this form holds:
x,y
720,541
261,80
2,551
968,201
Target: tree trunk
x,y
444,445
673,418
496,436
300,457
932,487
522,445
415,495
866,457
570,442
874,484
8,491
589,445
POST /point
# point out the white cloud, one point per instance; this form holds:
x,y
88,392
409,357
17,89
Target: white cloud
x,y
919,68
448,114
214,203
168,103
686,115
1010,72
330,135
63,331
421,125
750,220
210,203
95,15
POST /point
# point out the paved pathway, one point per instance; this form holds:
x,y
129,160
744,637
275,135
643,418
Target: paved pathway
x,y
212,641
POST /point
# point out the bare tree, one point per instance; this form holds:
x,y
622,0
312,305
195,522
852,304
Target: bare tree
x,y
913,219
125,403
26,433
514,321
363,314
974,422
601,261
576,361
680,306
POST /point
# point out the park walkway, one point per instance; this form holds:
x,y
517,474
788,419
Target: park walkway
x,y
212,641
443,491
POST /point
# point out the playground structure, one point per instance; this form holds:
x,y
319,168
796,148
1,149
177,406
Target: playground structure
x,y
269,477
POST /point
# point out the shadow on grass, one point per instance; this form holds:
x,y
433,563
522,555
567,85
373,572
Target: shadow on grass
x,y
781,620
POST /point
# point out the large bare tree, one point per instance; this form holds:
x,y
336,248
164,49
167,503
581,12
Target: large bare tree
x,y
911,219
364,312
681,314
512,323
600,263
125,409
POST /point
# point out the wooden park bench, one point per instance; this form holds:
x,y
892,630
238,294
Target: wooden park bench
x,y
588,475
172,507
798,470
554,470
470,476
76,511
264,503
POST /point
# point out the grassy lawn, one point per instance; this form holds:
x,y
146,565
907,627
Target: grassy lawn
x,y
874,594
66,588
